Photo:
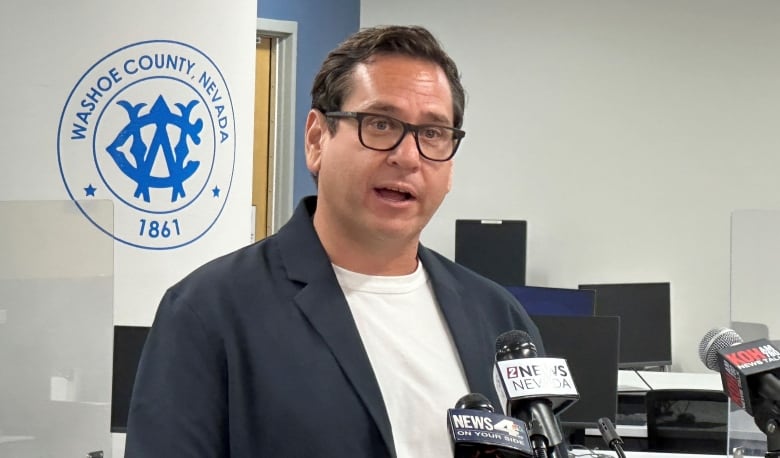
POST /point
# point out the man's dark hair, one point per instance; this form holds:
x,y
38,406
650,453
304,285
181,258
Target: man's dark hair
x,y
332,83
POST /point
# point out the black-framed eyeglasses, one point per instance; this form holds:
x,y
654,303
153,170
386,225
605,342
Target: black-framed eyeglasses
x,y
382,133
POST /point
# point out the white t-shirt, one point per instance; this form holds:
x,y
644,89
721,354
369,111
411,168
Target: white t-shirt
x,y
413,356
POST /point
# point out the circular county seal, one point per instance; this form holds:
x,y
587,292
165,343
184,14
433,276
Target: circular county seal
x,y
151,127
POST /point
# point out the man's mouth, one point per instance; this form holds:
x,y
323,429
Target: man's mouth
x,y
395,195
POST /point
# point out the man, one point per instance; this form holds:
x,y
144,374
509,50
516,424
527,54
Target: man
x,y
340,335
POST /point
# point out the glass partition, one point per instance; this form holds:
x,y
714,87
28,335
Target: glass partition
x,y
755,301
56,329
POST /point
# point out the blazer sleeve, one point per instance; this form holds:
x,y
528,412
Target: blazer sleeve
x,y
179,401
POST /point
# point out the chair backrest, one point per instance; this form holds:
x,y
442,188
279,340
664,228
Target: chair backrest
x,y
687,421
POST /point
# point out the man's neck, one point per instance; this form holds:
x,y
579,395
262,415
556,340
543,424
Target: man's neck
x,y
368,254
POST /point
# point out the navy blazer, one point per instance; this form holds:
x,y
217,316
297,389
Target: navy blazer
x,y
256,354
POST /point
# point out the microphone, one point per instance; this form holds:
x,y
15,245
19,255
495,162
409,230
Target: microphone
x,y
611,437
533,389
749,372
477,431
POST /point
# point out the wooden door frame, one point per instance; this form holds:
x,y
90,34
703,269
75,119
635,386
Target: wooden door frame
x,y
281,150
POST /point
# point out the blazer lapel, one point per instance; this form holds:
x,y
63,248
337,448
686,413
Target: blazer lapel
x,y
474,348
324,305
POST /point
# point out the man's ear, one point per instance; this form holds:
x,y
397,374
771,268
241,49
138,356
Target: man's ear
x,y
316,130
450,178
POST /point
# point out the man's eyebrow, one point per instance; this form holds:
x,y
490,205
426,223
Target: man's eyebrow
x,y
384,108
437,118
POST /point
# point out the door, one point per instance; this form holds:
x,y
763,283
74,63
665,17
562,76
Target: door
x,y
263,120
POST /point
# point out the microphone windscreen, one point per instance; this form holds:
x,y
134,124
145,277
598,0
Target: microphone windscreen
x,y
714,341
475,401
515,344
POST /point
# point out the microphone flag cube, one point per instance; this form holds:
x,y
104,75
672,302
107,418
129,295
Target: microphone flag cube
x,y
739,364
470,427
536,378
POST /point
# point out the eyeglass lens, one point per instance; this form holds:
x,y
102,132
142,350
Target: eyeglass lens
x,y
384,133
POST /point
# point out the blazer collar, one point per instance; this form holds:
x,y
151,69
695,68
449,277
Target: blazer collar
x,y
471,338
324,305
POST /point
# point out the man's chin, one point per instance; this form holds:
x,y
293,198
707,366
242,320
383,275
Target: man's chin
x,y
405,232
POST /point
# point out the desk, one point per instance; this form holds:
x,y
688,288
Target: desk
x,y
640,381
683,380
625,431
630,381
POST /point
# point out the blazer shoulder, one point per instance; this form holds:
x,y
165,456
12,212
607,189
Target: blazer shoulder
x,y
458,274
244,272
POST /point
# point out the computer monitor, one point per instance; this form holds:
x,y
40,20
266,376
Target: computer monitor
x,y
128,344
645,319
540,300
590,346
492,248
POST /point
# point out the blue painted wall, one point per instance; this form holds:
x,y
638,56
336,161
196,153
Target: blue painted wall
x,y
322,24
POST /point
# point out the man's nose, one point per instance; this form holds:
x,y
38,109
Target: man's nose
x,y
406,154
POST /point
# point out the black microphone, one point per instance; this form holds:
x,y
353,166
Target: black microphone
x,y
533,389
749,372
611,436
477,431
475,401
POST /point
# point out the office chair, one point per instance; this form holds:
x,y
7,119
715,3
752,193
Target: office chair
x,y
687,421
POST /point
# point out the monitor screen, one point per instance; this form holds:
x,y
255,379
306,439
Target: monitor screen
x,y
645,319
539,300
590,346
128,343
492,248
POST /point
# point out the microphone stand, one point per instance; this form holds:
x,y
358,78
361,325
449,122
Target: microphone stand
x,y
618,448
539,446
766,415
545,442
771,427
773,439
543,432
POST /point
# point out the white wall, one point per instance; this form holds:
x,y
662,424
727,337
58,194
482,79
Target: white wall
x,y
47,53
624,132
47,50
